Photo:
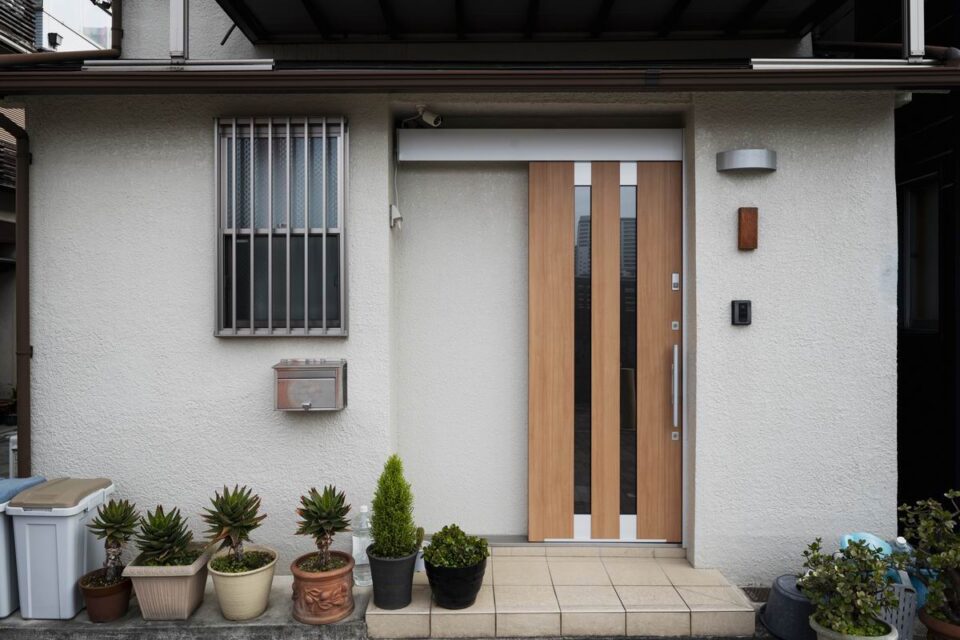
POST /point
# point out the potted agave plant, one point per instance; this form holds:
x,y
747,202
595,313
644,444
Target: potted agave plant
x,y
170,573
242,574
322,579
932,528
455,564
105,591
848,591
396,540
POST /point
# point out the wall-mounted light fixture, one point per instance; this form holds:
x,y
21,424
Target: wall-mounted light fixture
x,y
747,160
54,39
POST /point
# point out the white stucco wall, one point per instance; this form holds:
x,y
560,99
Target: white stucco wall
x,y
128,379
460,275
795,414
791,430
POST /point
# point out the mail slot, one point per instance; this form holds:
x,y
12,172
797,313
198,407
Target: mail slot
x,y
310,385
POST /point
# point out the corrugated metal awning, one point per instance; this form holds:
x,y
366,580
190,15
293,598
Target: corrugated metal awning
x,y
303,21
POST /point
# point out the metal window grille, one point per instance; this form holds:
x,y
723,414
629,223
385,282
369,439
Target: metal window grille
x,y
280,222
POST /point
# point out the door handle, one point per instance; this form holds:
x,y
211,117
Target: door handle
x,y
675,385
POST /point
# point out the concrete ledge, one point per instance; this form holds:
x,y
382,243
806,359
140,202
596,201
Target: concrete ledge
x,y
205,624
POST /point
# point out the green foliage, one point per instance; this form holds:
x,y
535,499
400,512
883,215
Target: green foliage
x,y
248,562
848,589
451,547
232,518
931,528
115,524
391,525
164,539
323,515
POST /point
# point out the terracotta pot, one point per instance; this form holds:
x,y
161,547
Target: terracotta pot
x,y
829,634
326,596
105,603
938,629
244,596
169,593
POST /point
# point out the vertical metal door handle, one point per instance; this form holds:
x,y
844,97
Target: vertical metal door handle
x,y
675,385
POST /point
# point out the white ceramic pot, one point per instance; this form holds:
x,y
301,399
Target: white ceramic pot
x,y
829,634
244,596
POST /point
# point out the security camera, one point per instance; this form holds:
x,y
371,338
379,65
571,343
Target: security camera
x,y
430,118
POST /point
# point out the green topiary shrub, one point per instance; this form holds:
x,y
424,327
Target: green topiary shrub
x,y
115,524
391,525
452,548
849,589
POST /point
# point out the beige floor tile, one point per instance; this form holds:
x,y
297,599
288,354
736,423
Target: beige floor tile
x,y
529,550
420,578
626,552
525,599
669,552
596,624
419,604
658,623
520,625
501,551
591,599
413,621
635,571
714,598
569,550
681,562
577,571
477,620
653,599
722,623
690,577
520,571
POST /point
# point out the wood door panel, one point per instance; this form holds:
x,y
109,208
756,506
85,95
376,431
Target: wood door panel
x,y
550,403
659,255
605,350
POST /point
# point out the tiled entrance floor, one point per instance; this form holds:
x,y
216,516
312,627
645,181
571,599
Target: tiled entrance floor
x,y
600,592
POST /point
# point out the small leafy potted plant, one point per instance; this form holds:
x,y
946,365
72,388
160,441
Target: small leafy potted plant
x,y
455,565
242,575
170,573
105,591
932,530
396,540
322,579
848,590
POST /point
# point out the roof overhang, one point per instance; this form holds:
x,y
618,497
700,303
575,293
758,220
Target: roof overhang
x,y
499,79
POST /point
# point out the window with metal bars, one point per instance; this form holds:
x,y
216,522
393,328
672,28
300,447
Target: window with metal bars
x,y
280,216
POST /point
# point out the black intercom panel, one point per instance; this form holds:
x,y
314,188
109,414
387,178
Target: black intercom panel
x,y
741,312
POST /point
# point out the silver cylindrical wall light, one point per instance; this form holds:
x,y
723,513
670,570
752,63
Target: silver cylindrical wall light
x,y
747,160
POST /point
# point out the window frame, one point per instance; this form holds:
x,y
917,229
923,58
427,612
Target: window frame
x,y
290,127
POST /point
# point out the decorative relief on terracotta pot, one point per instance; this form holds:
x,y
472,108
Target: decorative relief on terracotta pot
x,y
319,600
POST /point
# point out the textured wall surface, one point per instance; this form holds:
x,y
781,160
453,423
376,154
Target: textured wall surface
x,y
129,381
793,420
796,414
461,347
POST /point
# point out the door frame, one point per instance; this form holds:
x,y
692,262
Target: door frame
x,y
578,145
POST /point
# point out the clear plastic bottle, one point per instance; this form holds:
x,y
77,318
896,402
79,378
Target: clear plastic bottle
x,y
361,540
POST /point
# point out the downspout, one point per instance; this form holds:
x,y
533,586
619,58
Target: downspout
x,y
24,350
44,57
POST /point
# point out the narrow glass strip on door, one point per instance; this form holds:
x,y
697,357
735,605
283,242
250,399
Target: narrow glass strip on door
x,y
582,346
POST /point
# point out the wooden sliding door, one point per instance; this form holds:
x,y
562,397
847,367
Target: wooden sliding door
x,y
605,440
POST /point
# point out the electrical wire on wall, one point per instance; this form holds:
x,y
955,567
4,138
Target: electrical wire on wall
x,y
423,118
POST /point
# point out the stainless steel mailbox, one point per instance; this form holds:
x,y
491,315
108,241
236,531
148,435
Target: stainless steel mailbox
x,y
310,385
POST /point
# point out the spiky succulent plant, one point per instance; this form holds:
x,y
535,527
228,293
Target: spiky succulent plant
x,y
232,518
164,538
323,515
115,524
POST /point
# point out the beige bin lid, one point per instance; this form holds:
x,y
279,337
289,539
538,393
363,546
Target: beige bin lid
x,y
59,493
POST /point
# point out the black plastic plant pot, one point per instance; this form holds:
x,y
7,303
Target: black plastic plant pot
x,y
456,588
392,580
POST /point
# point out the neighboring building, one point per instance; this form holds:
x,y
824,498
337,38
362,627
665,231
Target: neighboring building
x,y
205,206
72,25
